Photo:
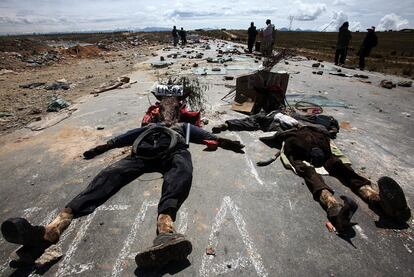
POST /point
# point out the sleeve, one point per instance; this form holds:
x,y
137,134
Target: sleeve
x,y
126,139
197,135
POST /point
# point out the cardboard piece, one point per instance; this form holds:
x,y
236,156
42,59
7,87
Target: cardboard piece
x,y
246,85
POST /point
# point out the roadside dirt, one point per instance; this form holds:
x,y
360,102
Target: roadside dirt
x,y
83,67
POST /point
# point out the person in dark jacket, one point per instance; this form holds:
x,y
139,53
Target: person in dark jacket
x,y
313,146
344,37
155,148
369,42
174,34
252,33
183,36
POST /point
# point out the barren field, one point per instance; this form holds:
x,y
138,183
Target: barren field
x,y
82,61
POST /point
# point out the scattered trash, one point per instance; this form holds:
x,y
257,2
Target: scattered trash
x,y
111,85
316,99
57,104
49,121
361,76
161,64
32,85
340,74
5,114
387,84
406,84
57,85
210,251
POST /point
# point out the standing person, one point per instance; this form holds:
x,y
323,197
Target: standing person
x,y
183,36
369,42
252,33
175,35
344,37
268,39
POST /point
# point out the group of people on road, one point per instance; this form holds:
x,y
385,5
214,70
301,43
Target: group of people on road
x,y
179,34
268,38
344,38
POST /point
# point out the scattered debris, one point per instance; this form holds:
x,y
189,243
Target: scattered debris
x,y
32,85
340,74
49,121
406,114
406,84
210,251
361,76
100,128
161,64
57,104
111,85
60,84
228,78
5,114
387,84
316,65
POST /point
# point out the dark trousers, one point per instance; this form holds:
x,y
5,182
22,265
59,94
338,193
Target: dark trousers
x,y
362,61
177,171
336,168
363,53
251,123
340,56
250,43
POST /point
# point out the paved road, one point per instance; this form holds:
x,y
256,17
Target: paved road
x,y
260,221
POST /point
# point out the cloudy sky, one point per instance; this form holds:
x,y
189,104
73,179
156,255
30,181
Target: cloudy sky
x,y
24,16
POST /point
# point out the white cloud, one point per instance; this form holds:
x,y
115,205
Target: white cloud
x,y
341,3
355,26
308,12
392,22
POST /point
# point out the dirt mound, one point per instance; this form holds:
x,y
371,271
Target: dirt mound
x,y
84,51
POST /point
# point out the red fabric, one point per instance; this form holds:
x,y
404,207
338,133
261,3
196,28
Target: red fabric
x,y
190,117
153,112
211,144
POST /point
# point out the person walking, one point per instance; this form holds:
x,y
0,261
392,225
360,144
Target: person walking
x,y
370,41
344,37
252,33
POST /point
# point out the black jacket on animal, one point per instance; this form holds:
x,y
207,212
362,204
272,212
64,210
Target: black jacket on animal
x,y
344,37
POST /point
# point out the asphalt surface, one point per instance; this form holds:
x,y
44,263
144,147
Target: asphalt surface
x,y
261,221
